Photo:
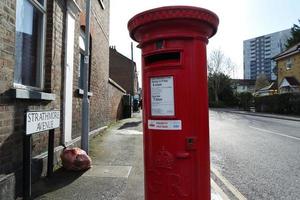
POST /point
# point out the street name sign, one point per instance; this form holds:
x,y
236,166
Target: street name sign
x,y
39,121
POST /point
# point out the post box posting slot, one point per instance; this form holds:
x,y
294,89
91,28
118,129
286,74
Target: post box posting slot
x,y
163,58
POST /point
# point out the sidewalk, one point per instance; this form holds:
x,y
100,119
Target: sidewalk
x,y
275,116
117,172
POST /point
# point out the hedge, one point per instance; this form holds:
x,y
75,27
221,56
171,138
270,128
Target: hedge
x,y
288,103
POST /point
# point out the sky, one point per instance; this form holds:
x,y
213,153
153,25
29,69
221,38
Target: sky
x,y
239,20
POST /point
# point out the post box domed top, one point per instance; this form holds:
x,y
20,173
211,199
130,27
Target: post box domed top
x,y
171,13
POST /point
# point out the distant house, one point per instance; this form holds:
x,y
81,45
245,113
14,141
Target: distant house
x,y
268,90
288,64
243,85
289,84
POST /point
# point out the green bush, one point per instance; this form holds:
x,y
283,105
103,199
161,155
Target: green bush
x,y
213,104
220,83
288,103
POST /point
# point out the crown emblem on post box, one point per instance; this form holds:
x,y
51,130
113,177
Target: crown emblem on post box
x,y
164,159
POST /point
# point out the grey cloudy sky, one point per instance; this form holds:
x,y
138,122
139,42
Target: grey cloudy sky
x,y
239,20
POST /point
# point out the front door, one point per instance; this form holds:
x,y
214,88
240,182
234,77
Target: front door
x,y
68,81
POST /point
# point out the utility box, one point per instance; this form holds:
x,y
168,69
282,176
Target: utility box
x,y
175,116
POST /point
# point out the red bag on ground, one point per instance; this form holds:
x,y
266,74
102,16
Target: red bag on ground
x,y
75,159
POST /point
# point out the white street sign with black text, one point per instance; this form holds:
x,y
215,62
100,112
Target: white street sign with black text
x,y
42,121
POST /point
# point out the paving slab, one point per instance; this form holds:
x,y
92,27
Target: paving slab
x,y
108,171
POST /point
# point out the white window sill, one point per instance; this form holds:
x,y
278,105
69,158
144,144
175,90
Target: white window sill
x,y
32,94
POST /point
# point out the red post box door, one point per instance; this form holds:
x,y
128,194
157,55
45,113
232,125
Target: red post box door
x,y
169,142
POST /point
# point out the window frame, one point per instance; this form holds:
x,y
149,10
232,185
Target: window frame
x,y
289,63
40,66
82,53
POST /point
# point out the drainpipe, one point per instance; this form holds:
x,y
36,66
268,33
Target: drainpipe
x,y
85,100
132,71
132,80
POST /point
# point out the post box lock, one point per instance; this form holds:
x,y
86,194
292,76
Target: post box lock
x,y
191,143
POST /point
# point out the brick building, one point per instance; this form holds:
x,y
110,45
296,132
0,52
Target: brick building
x,y
123,71
41,63
288,64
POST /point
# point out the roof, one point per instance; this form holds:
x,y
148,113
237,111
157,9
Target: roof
x,y
272,86
291,51
291,80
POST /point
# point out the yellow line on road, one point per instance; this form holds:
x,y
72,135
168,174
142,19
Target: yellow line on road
x,y
228,185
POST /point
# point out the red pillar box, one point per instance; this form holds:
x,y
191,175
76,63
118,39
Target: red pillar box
x,y
175,116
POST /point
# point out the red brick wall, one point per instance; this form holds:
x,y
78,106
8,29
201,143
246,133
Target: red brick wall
x,y
99,109
102,109
7,37
115,103
120,70
11,109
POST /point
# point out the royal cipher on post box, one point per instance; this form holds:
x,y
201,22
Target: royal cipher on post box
x,y
173,41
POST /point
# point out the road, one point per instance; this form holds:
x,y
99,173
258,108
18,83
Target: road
x,y
259,156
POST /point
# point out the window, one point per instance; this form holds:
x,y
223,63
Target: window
x,y
81,61
289,63
30,34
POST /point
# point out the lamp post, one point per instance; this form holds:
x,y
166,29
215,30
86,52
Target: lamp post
x,y
85,100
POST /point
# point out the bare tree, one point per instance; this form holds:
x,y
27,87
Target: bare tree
x,y
230,67
261,81
218,65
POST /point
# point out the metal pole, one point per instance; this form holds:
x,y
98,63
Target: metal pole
x,y
50,153
132,68
132,81
85,100
27,142
26,162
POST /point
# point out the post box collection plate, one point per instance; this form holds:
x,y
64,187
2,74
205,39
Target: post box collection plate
x,y
162,96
